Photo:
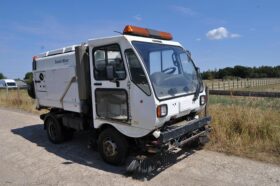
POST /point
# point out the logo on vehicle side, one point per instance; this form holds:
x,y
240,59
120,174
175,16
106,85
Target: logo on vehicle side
x,y
61,61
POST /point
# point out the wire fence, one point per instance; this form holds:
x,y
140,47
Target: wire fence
x,y
240,83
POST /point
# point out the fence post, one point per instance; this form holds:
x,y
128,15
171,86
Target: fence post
x,y
212,85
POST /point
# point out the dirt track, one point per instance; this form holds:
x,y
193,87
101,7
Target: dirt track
x,y
28,158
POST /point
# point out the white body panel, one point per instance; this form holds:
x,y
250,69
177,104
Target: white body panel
x,y
52,76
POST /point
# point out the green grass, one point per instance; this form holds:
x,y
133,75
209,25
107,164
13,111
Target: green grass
x,y
254,102
264,88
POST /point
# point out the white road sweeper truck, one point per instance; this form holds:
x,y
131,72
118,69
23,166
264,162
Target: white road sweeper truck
x,y
136,90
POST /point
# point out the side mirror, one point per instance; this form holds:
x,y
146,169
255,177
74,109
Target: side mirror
x,y
110,72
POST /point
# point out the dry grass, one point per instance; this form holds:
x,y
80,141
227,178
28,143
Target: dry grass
x,y
247,127
18,99
250,130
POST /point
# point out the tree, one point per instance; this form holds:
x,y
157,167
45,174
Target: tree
x,y
2,76
28,77
243,72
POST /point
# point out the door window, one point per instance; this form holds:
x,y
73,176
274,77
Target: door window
x,y
111,104
138,76
106,56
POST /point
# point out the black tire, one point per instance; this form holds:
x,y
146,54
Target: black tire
x,y
108,137
68,133
54,129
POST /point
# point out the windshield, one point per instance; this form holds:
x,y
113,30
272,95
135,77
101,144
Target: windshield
x,y
170,68
11,84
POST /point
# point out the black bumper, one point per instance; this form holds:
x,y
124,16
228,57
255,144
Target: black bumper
x,y
187,128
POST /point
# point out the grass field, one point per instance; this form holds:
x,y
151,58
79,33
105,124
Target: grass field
x,y
264,88
249,84
243,126
17,99
248,127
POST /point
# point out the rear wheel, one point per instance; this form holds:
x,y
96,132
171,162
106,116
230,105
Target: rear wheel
x,y
54,129
112,146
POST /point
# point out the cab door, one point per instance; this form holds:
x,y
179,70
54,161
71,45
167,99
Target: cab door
x,y
142,103
109,85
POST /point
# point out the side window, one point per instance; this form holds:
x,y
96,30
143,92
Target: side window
x,y
137,73
112,104
108,56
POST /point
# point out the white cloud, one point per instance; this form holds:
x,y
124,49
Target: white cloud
x,y
138,17
220,33
184,10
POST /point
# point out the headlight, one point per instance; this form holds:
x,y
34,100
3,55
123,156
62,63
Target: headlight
x,y
162,111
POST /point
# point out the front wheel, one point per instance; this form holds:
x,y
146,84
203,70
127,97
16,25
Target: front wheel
x,y
112,146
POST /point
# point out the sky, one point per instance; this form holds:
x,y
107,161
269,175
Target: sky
x,y
218,33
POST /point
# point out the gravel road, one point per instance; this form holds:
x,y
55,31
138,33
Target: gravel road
x,y
28,158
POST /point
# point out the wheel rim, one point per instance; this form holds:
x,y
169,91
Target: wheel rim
x,y
109,147
52,131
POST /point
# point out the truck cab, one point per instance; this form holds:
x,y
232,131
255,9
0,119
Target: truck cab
x,y
140,88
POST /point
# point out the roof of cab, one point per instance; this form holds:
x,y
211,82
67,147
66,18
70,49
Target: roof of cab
x,y
98,41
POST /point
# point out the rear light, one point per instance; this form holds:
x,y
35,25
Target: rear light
x,y
34,58
203,100
34,65
145,32
162,111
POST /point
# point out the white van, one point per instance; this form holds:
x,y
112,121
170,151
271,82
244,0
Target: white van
x,y
8,83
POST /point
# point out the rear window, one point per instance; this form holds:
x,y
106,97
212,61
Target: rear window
x,y
11,84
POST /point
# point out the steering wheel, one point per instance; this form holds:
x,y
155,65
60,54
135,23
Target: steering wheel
x,y
169,70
